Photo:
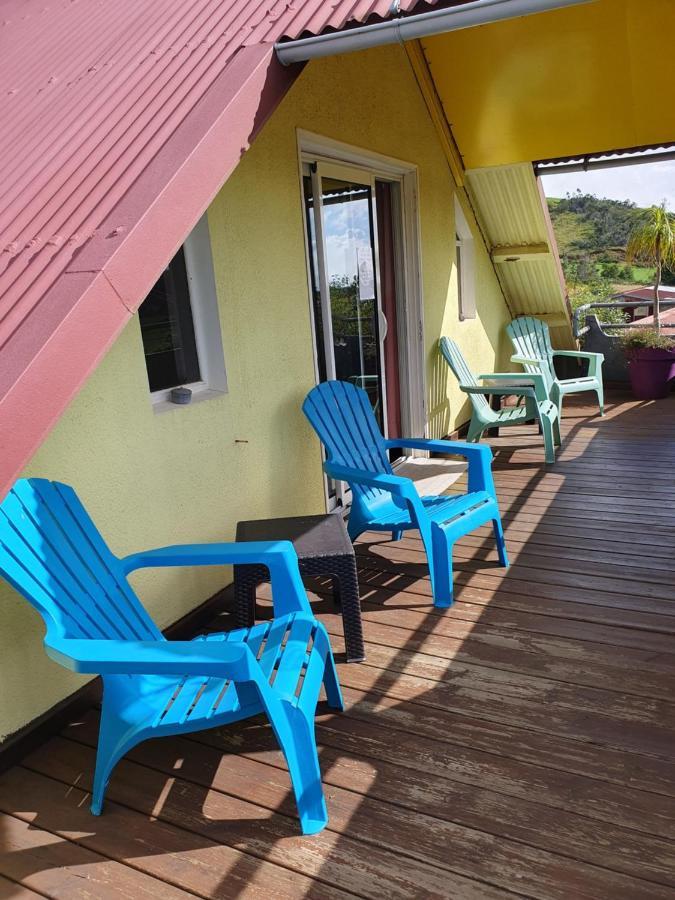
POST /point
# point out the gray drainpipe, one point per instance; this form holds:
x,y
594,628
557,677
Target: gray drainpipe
x,y
394,31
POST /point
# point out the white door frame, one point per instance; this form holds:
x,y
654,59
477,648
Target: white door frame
x,y
314,148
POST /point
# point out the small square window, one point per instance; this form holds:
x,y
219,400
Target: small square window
x,y
180,325
168,330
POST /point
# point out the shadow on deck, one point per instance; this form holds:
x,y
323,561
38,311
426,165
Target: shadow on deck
x,y
519,744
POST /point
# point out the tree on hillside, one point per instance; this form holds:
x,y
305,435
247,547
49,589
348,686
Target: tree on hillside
x,y
602,223
653,243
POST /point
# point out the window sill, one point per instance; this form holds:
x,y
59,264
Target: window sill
x,y
162,405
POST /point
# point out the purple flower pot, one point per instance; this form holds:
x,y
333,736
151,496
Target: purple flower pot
x,y
650,372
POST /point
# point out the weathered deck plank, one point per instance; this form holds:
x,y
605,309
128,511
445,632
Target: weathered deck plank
x,y
520,744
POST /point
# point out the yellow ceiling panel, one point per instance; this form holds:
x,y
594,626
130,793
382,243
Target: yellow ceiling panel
x,y
576,80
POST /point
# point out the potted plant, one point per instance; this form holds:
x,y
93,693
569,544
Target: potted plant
x,y
651,362
651,355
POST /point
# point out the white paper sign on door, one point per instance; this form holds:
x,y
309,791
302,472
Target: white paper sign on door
x,y
364,259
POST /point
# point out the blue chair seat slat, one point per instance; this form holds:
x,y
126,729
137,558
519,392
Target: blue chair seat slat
x,y
213,696
294,657
343,418
194,699
179,697
214,688
442,508
311,684
274,645
446,508
51,553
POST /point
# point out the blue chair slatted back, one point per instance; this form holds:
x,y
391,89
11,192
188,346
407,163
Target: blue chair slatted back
x,y
453,355
531,339
52,553
342,416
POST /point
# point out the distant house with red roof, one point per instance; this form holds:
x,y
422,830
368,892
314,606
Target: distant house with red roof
x,y
645,314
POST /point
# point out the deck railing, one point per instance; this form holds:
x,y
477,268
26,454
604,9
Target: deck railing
x,y
582,311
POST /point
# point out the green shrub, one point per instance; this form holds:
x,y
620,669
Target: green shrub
x,y
646,339
598,291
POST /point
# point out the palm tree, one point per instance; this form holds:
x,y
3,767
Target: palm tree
x,y
653,243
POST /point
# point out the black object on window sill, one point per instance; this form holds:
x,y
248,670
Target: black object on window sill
x,y
180,395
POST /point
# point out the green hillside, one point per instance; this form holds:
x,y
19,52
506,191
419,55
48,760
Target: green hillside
x,y
591,234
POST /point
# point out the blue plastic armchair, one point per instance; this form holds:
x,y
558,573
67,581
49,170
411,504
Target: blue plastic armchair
x,y
342,416
52,553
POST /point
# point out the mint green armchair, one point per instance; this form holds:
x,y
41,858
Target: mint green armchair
x,y
532,344
532,388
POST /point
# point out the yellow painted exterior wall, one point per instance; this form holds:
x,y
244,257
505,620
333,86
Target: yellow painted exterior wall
x,y
577,80
154,479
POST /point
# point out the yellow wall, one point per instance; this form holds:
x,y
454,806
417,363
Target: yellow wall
x,y
153,479
577,80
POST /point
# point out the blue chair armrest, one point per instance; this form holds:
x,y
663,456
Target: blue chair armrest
x,y
479,457
396,485
220,659
393,484
288,592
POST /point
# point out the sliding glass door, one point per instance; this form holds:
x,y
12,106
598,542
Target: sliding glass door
x,y
354,339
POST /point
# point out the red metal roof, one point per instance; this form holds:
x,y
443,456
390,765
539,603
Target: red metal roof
x,y
647,293
120,122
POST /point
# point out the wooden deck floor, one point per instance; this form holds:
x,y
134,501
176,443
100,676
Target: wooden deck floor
x,y
520,744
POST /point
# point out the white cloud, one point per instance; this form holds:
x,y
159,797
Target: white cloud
x,y
347,230
645,184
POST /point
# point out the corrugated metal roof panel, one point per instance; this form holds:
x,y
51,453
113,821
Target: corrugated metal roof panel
x,y
509,205
106,110
309,17
509,199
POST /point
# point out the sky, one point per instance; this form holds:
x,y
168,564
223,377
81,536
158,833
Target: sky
x,y
347,230
646,184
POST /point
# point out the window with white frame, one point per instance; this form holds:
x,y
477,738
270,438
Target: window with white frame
x,y
464,260
180,326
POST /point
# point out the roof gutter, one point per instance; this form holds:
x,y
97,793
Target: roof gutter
x,y
394,31
588,165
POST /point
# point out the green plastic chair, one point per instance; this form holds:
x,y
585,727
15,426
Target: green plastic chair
x,y
533,389
532,342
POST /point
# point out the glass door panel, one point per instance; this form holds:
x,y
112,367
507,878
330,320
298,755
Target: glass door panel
x,y
350,267
348,319
352,293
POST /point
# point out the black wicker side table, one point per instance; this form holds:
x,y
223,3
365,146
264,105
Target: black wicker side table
x,y
323,548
